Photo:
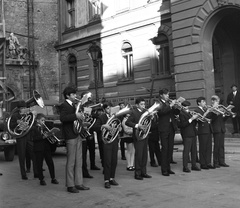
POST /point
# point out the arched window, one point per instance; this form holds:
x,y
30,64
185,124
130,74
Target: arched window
x,y
72,63
163,61
127,57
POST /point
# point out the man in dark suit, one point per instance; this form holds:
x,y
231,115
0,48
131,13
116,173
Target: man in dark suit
x,y
187,124
141,151
233,98
68,115
167,127
110,150
22,141
204,136
218,126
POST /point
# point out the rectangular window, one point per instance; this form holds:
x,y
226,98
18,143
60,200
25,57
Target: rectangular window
x,y
128,67
163,66
70,14
95,9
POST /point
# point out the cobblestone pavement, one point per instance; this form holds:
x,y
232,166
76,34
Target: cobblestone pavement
x,y
208,188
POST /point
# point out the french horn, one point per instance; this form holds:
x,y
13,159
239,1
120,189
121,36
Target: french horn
x,y
27,117
108,136
146,121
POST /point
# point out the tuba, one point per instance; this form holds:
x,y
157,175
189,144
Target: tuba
x,y
77,124
146,120
27,119
85,131
108,136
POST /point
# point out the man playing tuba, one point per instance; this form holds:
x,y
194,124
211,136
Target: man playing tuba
x,y
141,151
22,141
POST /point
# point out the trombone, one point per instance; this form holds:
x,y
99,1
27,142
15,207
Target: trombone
x,y
50,134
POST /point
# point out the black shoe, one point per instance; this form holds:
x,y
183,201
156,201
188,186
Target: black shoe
x,y
1,174
204,167
146,176
72,190
165,173
129,168
124,158
154,165
107,185
170,172
24,177
95,168
43,183
54,181
216,166
173,162
196,168
87,176
186,170
113,182
82,187
235,132
137,177
210,166
223,165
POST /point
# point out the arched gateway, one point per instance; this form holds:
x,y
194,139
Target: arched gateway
x,y
206,44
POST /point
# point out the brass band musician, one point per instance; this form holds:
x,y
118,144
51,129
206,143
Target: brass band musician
x,y
141,152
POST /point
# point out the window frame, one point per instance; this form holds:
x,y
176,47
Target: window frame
x,y
70,14
127,69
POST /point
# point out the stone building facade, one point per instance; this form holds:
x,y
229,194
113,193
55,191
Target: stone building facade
x,y
38,33
205,39
130,64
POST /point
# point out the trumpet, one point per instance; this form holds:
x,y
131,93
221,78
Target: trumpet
x,y
200,117
216,110
227,111
177,103
50,134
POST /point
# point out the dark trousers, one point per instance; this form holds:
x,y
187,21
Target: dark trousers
x,y
110,159
40,156
22,149
141,156
30,156
218,149
154,148
205,149
167,142
91,148
236,123
189,145
122,147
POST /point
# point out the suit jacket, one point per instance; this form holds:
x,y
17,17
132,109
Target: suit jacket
x,y
187,129
218,123
39,143
165,114
133,119
67,117
102,119
203,127
235,101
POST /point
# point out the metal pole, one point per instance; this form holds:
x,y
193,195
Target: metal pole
x,y
96,80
